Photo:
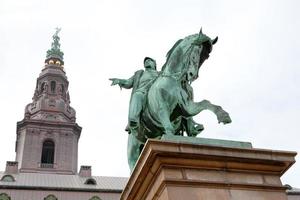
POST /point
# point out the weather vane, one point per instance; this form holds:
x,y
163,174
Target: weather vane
x,y
55,46
57,31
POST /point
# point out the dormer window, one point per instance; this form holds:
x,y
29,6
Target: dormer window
x,y
95,198
8,178
50,197
90,181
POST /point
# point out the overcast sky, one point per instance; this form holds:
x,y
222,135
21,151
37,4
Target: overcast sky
x,y
253,71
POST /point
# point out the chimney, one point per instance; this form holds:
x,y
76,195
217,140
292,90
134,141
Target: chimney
x,y
11,167
85,171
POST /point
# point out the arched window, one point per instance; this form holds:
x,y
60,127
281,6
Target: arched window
x,y
42,87
90,181
95,198
8,178
4,196
50,197
53,86
48,152
62,88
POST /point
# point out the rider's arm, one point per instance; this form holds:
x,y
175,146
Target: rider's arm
x,y
126,83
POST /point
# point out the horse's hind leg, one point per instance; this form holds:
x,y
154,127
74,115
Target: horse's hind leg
x,y
164,117
133,150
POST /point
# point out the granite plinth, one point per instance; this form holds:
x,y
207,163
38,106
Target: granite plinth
x,y
177,170
206,141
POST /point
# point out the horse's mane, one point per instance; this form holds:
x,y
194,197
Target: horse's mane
x,y
170,53
185,44
174,47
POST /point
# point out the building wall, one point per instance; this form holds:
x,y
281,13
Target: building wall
x,y
294,197
16,194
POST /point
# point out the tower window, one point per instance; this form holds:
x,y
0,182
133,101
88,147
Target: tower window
x,y
53,86
48,152
43,87
62,88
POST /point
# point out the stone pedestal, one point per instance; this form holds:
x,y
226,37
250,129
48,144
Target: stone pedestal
x,y
179,170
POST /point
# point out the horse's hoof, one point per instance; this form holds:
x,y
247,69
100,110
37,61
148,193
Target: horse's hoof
x,y
226,120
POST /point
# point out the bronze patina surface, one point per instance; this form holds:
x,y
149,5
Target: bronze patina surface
x,y
162,103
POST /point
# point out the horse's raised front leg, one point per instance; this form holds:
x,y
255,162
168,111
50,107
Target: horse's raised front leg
x,y
222,115
192,109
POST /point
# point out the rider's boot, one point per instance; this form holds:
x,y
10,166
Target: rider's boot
x,y
133,128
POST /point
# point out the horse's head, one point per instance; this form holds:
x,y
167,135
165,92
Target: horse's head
x,y
198,51
187,55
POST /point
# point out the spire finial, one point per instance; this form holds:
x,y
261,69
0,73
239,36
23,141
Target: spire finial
x,y
55,51
57,31
200,32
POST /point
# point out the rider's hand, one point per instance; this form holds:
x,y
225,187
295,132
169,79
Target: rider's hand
x,y
115,81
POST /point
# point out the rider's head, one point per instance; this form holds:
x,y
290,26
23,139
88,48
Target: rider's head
x,y
149,63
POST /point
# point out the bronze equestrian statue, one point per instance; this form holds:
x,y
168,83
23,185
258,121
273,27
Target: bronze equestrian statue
x,y
162,102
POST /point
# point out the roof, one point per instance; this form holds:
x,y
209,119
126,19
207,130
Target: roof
x,y
293,191
63,182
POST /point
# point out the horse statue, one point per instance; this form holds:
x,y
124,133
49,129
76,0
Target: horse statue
x,y
169,105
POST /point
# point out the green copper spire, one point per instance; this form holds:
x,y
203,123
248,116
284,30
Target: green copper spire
x,y
55,51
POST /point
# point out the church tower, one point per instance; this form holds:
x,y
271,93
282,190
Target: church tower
x,y
47,137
